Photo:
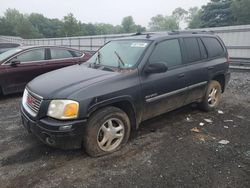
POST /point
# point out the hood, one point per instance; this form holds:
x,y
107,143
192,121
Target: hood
x,y
64,82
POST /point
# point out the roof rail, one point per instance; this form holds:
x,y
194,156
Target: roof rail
x,y
148,34
191,32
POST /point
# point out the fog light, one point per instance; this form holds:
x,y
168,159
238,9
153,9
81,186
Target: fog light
x,y
65,127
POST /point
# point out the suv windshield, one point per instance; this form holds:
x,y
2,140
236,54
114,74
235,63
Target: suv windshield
x,y
122,54
9,53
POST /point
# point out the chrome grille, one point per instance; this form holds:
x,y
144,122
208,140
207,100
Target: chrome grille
x,y
33,102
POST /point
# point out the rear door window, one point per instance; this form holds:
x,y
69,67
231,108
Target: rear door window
x,y
192,49
60,53
33,55
167,52
213,46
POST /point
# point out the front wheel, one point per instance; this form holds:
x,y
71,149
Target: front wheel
x,y
106,131
212,97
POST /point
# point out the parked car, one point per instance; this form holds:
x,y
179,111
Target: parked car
x,y
20,65
127,81
8,46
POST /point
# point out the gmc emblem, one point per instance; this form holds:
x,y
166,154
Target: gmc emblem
x,y
30,101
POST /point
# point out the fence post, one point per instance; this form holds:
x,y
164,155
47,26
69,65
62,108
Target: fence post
x,y
79,43
90,43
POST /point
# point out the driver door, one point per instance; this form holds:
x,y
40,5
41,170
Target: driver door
x,y
165,91
17,76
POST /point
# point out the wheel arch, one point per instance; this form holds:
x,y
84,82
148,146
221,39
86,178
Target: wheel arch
x,y
123,103
221,79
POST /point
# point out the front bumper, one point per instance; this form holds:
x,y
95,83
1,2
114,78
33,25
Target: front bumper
x,y
47,130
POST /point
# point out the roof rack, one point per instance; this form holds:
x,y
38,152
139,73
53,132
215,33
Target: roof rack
x,y
148,34
191,32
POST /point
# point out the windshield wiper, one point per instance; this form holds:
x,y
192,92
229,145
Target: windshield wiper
x,y
119,60
98,58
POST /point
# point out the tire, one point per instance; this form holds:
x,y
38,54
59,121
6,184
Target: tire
x,y
107,130
212,97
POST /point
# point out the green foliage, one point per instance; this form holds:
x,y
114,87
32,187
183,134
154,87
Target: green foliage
x,y
70,26
163,23
36,25
241,11
220,13
179,14
217,13
194,18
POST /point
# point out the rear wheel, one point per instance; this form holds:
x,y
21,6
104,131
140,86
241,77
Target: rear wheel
x,y
107,130
212,97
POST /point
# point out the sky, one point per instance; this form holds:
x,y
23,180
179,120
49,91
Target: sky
x,y
101,11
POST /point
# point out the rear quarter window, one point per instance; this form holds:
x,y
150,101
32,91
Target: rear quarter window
x,y
214,47
60,53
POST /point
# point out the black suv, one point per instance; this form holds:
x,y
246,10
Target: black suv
x,y
127,81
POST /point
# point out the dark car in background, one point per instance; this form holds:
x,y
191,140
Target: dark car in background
x,y
129,80
8,46
20,65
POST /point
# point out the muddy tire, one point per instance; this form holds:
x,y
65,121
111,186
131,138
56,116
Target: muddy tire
x,y
107,130
212,97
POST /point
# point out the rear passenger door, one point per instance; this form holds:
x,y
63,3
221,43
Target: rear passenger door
x,y
197,68
166,91
60,57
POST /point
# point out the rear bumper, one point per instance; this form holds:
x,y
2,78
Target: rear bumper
x,y
48,131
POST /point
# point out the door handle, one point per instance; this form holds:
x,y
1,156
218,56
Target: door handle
x,y
210,68
181,75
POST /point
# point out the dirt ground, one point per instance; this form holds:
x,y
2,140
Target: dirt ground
x,y
163,153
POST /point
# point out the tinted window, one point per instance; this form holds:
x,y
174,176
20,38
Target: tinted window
x,y
76,54
203,50
168,51
60,53
213,46
192,48
33,55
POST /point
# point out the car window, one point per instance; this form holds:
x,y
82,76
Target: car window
x,y
9,53
168,52
203,50
120,53
76,54
192,48
213,46
60,53
33,55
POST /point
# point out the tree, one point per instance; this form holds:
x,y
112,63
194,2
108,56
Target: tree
x,y
128,25
70,26
14,23
194,18
179,14
241,11
20,24
163,23
217,13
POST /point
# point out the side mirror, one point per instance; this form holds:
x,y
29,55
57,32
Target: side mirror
x,y
14,62
156,68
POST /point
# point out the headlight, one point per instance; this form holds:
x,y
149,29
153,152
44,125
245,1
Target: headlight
x,y
63,109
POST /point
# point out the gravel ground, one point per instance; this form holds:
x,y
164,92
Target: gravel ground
x,y
164,152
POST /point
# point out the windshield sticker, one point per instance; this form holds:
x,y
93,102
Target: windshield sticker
x,y
139,45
